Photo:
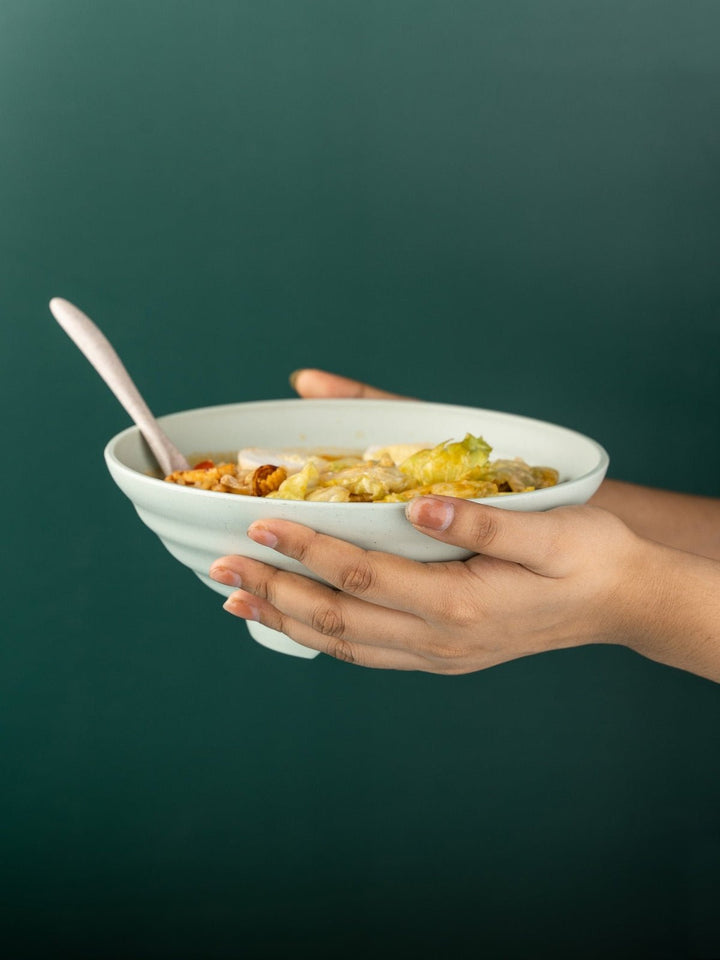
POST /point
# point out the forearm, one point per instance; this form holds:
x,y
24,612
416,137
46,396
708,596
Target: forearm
x,y
675,619
679,520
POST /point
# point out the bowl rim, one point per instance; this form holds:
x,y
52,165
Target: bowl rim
x,y
115,463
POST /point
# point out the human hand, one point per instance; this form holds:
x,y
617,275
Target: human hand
x,y
679,520
538,581
318,383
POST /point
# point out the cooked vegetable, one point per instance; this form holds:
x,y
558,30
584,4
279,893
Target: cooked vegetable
x,y
452,468
448,461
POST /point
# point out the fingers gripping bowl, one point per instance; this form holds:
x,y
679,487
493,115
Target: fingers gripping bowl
x,y
198,526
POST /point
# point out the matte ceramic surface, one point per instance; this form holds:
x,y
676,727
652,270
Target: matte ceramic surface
x,y
198,526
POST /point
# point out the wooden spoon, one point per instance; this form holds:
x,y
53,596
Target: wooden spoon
x,y
101,354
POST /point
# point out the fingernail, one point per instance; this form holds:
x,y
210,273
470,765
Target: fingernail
x,y
223,575
430,513
241,608
262,535
293,378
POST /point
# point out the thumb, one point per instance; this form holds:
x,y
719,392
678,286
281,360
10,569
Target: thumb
x,y
530,539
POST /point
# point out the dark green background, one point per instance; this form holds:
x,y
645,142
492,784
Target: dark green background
x,y
514,205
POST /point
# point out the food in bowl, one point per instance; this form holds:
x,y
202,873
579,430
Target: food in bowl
x,y
387,474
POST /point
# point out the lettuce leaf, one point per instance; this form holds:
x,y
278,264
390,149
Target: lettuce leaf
x,y
448,462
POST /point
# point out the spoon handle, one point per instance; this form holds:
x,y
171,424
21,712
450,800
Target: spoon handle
x,y
101,354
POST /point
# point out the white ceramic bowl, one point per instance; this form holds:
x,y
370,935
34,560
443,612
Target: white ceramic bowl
x,y
198,526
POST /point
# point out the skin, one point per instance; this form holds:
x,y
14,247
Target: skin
x,y
534,584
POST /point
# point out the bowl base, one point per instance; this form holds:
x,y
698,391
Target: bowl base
x,y
274,640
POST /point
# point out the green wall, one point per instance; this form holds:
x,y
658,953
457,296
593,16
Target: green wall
x,y
514,205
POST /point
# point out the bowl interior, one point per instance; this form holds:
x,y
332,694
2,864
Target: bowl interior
x,y
359,423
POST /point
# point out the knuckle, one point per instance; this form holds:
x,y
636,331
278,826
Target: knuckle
x,y
267,587
357,578
341,650
463,615
274,619
483,527
328,621
450,658
301,548
445,609
458,608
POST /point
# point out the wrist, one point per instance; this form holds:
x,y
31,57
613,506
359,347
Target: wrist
x,y
670,609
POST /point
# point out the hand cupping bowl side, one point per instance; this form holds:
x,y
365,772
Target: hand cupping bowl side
x,y
198,526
